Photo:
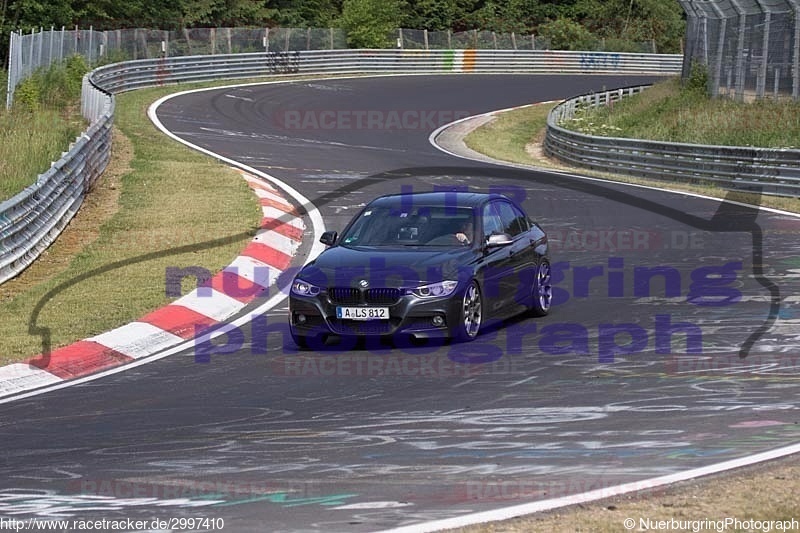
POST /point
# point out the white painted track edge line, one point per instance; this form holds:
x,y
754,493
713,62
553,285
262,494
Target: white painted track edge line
x,y
313,214
438,131
515,511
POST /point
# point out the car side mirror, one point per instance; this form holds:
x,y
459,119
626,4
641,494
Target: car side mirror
x,y
497,240
328,238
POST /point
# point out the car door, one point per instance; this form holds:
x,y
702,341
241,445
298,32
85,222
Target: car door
x,y
498,270
522,255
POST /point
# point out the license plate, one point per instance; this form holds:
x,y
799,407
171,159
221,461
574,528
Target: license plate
x,y
362,313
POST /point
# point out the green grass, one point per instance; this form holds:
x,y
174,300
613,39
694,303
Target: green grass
x,y
43,122
516,136
170,197
506,136
665,112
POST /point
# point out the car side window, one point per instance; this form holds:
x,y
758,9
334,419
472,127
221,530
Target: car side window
x,y
492,225
513,220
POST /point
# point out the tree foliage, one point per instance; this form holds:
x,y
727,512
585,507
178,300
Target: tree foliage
x,y
369,22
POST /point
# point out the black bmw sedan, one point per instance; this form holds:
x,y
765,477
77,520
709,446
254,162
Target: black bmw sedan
x,y
425,265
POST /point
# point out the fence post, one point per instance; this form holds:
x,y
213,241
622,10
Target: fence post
x,y
475,38
188,41
228,39
331,34
796,52
61,46
425,38
10,83
776,87
400,38
41,46
91,43
30,53
494,40
212,37
513,40
266,39
449,43
286,40
740,56
720,55
165,44
533,41
761,83
50,51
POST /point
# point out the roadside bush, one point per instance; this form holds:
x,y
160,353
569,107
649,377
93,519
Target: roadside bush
x,y
697,82
565,34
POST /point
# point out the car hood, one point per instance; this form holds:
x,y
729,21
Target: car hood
x,y
341,266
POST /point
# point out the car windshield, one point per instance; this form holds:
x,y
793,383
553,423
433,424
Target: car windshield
x,y
414,226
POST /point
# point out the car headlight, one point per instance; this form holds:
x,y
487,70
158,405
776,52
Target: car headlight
x,y
435,290
304,288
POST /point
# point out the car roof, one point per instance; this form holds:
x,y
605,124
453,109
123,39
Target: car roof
x,y
443,198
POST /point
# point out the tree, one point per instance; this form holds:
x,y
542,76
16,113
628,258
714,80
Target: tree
x,y
370,23
566,34
635,20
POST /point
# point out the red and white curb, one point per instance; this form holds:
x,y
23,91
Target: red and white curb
x,y
249,276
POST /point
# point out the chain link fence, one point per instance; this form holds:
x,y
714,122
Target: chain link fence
x,y
751,48
37,49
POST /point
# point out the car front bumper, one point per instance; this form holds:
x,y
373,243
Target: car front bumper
x,y
313,316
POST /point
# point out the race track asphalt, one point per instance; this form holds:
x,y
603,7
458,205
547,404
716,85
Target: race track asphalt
x,y
372,438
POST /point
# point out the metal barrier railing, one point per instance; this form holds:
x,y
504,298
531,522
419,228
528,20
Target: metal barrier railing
x,y
771,171
31,220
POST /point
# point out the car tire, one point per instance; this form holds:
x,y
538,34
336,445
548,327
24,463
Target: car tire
x,y
542,289
471,316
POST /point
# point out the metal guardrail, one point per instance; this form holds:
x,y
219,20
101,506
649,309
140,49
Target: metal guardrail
x,y
31,220
143,73
771,171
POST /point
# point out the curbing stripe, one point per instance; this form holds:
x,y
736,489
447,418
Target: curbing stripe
x,y
275,197
283,208
277,214
279,226
277,241
137,339
18,377
253,270
182,321
211,303
268,255
238,287
226,293
80,359
179,320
